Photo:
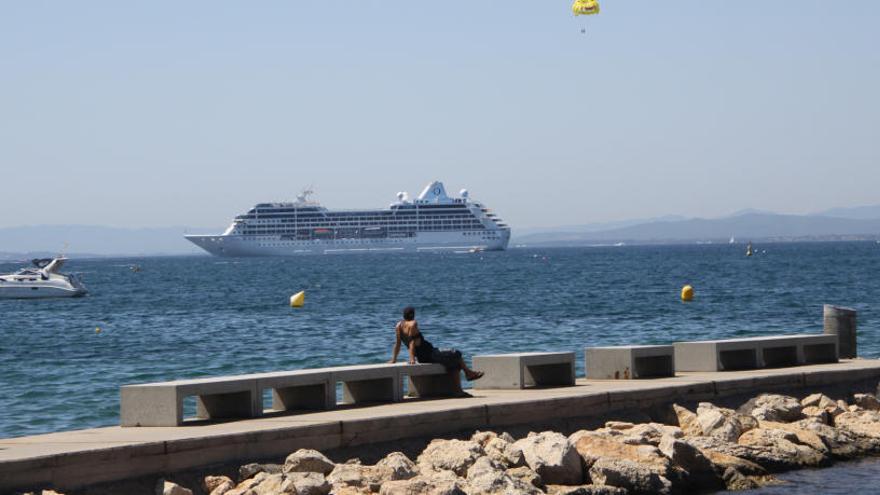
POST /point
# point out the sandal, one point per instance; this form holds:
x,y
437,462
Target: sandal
x,y
476,376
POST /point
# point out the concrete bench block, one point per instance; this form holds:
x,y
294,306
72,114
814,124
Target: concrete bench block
x,y
630,362
521,370
818,349
161,404
299,390
755,352
369,383
716,355
429,380
778,353
792,350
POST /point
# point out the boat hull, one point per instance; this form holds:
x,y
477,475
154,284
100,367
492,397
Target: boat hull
x,y
236,245
7,291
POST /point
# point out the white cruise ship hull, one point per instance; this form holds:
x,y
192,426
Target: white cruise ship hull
x,y
237,245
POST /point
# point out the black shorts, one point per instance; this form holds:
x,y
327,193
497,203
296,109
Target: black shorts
x,y
450,358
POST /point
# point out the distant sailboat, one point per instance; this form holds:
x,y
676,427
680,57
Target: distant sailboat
x,y
749,250
732,240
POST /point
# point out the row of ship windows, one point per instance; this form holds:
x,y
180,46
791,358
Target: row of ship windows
x,y
365,222
401,228
463,225
399,209
269,218
324,221
338,241
391,229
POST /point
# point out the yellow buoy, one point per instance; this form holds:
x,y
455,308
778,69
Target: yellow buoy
x,y
687,293
298,299
97,329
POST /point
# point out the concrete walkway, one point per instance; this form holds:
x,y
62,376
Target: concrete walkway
x,y
79,458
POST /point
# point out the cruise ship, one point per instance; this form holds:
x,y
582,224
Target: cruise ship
x,y
433,221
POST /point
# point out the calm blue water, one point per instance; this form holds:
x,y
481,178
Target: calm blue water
x,y
200,316
845,478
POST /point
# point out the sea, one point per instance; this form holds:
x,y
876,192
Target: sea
x,y
62,361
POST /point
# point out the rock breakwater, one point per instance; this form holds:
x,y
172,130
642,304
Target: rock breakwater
x,y
709,448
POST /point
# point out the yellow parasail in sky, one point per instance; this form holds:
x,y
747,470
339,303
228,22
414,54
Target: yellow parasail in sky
x,y
585,7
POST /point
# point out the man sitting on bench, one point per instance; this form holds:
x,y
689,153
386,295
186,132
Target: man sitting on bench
x,y
407,331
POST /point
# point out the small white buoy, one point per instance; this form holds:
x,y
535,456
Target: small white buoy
x,y
297,300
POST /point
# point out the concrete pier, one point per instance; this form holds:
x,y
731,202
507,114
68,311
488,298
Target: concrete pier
x,y
842,322
74,459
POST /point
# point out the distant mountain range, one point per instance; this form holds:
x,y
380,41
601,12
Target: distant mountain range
x,y
94,241
836,224
18,243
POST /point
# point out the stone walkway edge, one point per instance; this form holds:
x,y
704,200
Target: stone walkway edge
x,y
78,458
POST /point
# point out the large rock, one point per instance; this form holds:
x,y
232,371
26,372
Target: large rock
x,y
736,473
774,455
248,471
262,484
353,476
585,490
619,425
527,475
635,478
785,444
822,406
817,400
504,452
349,490
773,407
483,437
867,402
450,455
413,486
640,434
701,473
723,462
217,485
687,420
594,447
269,484
721,423
817,413
395,466
861,423
840,442
552,456
439,483
804,436
488,477
164,487
308,461
305,484
576,436
735,480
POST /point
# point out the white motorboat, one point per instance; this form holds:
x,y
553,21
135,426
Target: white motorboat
x,y
41,281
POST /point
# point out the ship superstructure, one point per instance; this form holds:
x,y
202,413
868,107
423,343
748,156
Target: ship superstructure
x,y
432,221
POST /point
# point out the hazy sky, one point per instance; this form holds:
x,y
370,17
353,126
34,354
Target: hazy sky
x,y
187,113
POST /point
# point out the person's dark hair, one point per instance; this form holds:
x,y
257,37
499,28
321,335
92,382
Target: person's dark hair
x,y
409,313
